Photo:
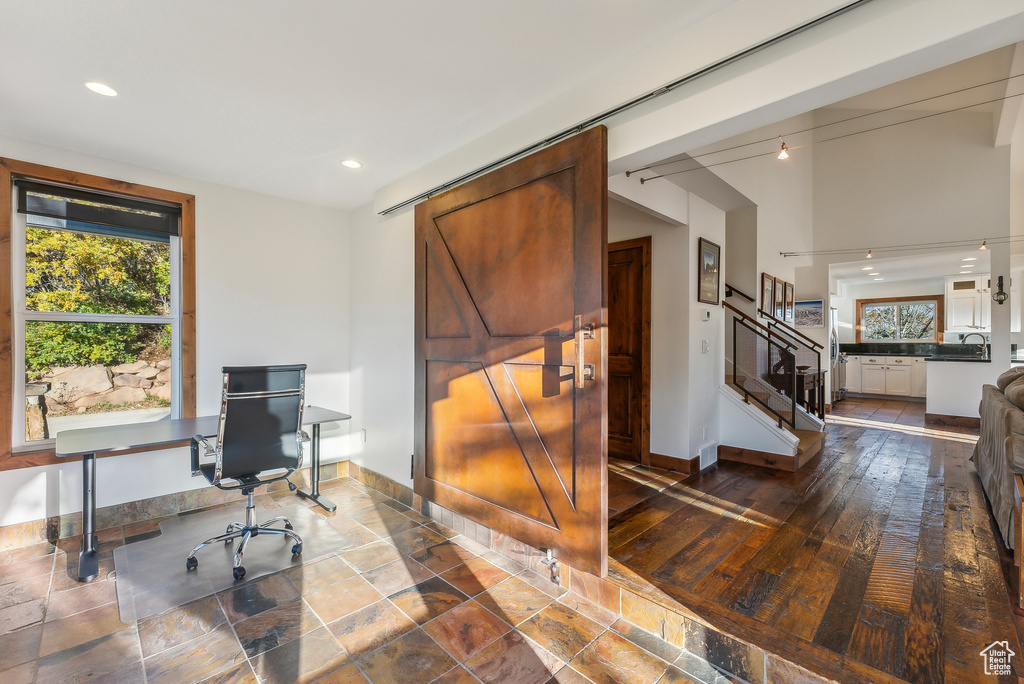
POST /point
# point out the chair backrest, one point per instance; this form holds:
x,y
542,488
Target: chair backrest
x,y
261,419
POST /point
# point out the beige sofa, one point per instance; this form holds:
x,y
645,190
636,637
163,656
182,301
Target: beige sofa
x,y
999,453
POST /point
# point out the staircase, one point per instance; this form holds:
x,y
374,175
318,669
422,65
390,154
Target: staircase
x,y
764,419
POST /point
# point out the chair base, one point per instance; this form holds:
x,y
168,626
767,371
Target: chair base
x,y
246,531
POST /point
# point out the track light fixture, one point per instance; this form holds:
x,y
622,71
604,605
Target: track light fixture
x,y
784,152
869,254
984,245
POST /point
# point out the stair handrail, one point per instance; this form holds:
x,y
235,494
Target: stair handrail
x,y
792,331
750,319
811,346
732,289
747,395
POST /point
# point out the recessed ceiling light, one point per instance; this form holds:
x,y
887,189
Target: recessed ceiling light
x,y
969,259
351,164
879,278
966,272
100,88
875,273
867,268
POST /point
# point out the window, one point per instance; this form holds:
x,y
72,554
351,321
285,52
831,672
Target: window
x,y
911,319
102,307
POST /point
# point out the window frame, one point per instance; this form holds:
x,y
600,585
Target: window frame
x,y
940,310
32,455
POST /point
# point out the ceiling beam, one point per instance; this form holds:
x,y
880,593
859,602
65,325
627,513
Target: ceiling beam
x,y
1007,112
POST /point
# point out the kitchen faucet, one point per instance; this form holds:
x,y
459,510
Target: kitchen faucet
x,y
984,343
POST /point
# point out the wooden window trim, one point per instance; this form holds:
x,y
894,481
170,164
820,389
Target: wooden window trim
x,y
940,315
20,169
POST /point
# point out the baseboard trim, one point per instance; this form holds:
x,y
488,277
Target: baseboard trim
x,y
952,421
680,465
760,458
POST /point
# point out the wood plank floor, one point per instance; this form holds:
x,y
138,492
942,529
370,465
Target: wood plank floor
x,y
880,552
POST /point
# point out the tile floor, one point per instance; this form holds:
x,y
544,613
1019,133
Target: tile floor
x,y
407,601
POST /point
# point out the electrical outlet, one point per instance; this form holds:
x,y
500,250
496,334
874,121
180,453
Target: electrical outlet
x,y
364,435
704,433
705,346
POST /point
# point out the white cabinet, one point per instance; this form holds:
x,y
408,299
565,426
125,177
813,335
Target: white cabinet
x,y
918,377
872,374
897,380
893,375
853,374
968,303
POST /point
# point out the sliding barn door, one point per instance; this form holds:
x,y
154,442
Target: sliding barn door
x,y
511,354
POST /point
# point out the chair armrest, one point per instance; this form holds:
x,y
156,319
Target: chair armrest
x,y
194,446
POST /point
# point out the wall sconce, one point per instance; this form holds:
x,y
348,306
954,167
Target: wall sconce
x,y
999,296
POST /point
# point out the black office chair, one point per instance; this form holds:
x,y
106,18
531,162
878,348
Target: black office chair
x,y
260,429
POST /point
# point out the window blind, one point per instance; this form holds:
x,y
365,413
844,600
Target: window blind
x,y
82,206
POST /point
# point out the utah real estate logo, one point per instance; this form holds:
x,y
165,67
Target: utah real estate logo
x,y
997,658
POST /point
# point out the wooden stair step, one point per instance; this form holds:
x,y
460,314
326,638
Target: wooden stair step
x,y
810,444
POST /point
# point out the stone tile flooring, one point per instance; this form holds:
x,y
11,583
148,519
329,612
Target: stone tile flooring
x,y
408,601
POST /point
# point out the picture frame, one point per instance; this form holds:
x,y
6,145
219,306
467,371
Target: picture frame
x,y
709,271
788,311
767,293
779,309
809,313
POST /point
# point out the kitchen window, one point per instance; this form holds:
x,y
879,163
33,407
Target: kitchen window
x,y
910,319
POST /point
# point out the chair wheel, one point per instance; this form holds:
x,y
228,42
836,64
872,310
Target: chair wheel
x,y
297,549
191,564
288,526
238,572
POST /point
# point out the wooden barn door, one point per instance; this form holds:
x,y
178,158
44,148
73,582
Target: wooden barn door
x,y
511,354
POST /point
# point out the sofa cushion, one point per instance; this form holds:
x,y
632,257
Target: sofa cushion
x,y
1009,376
1014,392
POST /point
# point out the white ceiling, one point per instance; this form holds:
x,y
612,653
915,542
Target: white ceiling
x,y
270,96
898,268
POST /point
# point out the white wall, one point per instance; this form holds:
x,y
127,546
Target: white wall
x,y
782,191
272,286
383,341
706,371
846,305
670,343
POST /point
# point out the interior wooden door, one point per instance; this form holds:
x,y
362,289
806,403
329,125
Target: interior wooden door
x,y
629,331
511,352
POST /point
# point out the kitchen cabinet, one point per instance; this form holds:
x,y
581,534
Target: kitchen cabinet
x,y
892,375
918,377
853,374
897,380
968,303
872,375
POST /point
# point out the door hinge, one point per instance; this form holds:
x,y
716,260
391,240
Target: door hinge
x,y
412,467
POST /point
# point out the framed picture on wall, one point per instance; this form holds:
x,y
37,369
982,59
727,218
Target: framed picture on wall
x,y
767,293
809,313
789,302
709,270
780,299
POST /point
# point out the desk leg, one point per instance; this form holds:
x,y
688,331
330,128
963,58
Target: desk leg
x,y
314,477
88,561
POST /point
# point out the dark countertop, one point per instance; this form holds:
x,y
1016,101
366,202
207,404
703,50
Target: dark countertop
x,y
958,359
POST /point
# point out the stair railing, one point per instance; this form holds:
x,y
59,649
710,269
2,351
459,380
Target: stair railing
x,y
764,367
808,355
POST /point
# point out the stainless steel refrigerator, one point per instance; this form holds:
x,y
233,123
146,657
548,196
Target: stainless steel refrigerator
x,y
837,359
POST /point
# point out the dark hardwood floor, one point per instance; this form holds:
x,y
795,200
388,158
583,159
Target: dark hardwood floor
x,y
880,552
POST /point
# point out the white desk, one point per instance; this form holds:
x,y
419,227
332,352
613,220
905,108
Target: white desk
x,y
87,442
